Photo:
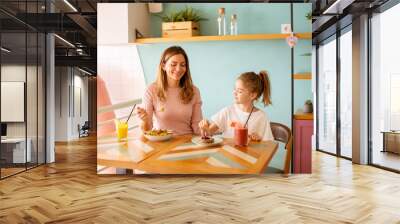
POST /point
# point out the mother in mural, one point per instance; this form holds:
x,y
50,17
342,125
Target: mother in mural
x,y
172,99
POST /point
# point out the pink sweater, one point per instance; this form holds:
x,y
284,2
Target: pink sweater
x,y
173,114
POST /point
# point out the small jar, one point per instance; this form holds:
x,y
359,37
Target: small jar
x,y
234,25
221,22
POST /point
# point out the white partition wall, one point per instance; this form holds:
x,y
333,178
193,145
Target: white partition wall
x,y
346,94
385,86
327,96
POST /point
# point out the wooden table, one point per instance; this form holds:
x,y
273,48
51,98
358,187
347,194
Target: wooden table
x,y
391,141
180,156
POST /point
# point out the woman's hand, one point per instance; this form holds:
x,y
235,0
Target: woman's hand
x,y
255,137
142,114
146,120
204,126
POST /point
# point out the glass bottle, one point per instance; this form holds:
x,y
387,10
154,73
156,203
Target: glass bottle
x,y
234,25
221,22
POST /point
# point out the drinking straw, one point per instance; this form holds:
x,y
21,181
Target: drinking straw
x,y
131,113
245,125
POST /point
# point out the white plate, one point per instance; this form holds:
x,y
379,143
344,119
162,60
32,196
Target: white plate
x,y
154,138
197,140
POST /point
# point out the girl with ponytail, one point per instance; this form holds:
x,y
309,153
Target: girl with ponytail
x,y
249,87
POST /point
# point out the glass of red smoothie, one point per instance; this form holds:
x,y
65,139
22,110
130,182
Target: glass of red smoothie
x,y
241,136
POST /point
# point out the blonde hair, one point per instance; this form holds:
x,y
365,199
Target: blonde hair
x,y
259,84
185,83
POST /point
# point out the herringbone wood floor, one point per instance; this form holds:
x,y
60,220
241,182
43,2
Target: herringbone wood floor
x,y
70,191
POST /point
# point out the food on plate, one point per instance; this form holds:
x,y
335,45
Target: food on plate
x,y
158,132
206,139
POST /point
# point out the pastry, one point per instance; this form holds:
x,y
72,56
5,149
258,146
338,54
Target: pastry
x,y
207,140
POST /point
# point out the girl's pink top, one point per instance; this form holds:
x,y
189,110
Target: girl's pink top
x,y
172,113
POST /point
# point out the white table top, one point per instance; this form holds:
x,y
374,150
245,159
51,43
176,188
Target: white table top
x,y
14,140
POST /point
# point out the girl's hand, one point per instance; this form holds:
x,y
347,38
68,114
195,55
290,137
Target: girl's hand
x,y
142,114
204,126
235,124
255,137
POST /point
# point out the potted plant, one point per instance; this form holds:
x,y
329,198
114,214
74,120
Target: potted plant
x,y
309,16
183,23
308,107
306,55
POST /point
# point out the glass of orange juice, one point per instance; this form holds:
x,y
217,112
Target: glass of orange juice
x,y
122,130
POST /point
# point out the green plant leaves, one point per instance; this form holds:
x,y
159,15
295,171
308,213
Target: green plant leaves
x,y
187,14
306,54
309,16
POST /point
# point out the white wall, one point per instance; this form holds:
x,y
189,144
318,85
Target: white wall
x,y
61,103
118,60
116,22
119,67
82,82
67,117
79,117
138,18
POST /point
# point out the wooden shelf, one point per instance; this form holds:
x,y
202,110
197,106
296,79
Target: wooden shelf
x,y
303,116
222,38
304,76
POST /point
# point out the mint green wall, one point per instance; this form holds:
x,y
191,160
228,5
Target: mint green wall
x,y
302,64
251,17
216,64
300,22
